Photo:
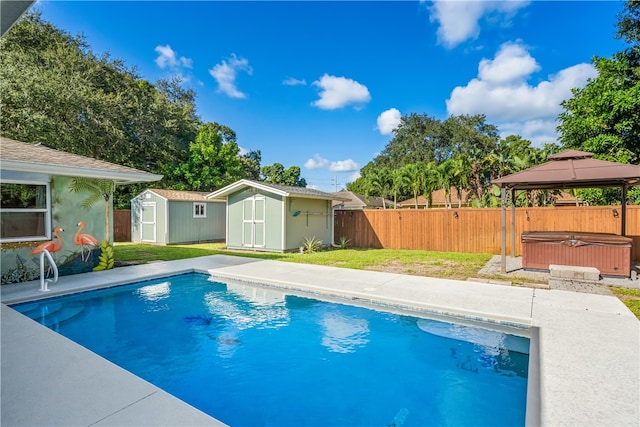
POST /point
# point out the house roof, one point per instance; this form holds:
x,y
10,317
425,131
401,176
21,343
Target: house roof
x,y
572,169
182,196
12,10
437,198
281,190
23,157
359,201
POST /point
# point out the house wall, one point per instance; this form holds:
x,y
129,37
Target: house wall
x,y
66,212
273,219
315,220
184,228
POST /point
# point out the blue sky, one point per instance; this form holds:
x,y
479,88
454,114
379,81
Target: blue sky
x,y
322,85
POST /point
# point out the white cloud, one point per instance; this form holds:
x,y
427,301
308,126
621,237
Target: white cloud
x,y
388,121
343,166
338,92
294,82
459,20
536,131
512,63
226,73
318,162
502,93
168,58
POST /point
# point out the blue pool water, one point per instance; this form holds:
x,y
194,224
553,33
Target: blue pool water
x,y
252,356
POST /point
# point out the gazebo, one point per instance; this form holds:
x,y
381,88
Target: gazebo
x,y
565,170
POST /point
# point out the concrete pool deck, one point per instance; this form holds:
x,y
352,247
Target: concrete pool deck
x,y
589,345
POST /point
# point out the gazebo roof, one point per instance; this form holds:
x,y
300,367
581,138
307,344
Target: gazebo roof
x,y
572,169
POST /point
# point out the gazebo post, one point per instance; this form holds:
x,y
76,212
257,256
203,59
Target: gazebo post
x,y
503,228
513,222
623,219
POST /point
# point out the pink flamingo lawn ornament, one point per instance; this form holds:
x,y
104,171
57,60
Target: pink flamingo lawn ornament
x,y
83,240
52,246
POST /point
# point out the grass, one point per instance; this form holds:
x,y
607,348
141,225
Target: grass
x,y
630,297
447,265
422,263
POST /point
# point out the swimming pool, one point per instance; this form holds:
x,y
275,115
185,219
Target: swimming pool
x,y
255,356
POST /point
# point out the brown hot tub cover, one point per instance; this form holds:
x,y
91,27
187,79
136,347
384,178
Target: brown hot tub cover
x,y
571,238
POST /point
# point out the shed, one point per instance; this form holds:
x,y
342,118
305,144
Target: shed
x,y
171,216
276,218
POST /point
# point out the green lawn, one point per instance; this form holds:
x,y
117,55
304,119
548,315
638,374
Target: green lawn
x,y
448,265
434,264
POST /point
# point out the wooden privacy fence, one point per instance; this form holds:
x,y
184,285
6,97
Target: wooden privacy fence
x,y
121,225
475,230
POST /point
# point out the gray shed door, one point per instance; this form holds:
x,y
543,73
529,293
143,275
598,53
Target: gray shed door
x,y
253,213
148,222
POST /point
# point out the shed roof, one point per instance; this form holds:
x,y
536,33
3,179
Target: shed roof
x,y
281,190
572,169
179,195
23,157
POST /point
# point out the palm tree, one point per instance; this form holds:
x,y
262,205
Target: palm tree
x,y
415,172
98,189
401,182
447,171
461,171
431,182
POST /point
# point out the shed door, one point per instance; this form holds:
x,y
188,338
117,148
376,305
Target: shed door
x,y
253,213
148,222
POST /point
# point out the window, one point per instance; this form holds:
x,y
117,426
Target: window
x,y
24,211
199,210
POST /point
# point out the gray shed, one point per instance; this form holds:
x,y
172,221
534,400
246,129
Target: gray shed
x,y
170,216
277,218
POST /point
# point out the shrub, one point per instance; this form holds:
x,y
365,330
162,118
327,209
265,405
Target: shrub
x,y
311,245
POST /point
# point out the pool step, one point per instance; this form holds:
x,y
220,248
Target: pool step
x,y
52,315
34,309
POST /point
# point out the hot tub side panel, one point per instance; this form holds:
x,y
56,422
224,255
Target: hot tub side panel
x,y
609,254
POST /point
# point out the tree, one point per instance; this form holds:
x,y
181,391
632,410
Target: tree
x,y
213,160
416,174
251,164
603,116
629,23
277,174
447,172
416,139
401,181
56,91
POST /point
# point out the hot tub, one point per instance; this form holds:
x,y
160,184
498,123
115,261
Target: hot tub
x,y
609,253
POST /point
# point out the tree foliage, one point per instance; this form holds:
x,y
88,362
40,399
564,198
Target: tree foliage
x,y
56,91
459,155
604,116
213,160
277,174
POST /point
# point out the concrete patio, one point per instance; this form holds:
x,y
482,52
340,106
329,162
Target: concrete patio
x,y
588,345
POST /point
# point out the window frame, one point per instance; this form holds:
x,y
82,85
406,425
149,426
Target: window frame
x,y
46,211
202,212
